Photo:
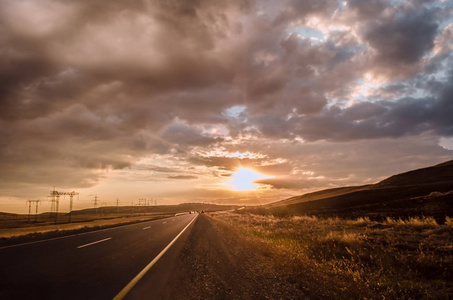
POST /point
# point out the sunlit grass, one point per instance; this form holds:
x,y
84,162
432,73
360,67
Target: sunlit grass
x,y
393,259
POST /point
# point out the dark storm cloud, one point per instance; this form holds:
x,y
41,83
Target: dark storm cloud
x,y
107,44
407,116
184,135
386,116
405,38
90,86
368,9
82,83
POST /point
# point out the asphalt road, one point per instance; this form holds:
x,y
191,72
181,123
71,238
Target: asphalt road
x,y
95,265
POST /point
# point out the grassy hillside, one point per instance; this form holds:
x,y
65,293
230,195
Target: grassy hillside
x,y
318,195
422,192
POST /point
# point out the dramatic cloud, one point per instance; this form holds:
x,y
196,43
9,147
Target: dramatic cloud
x,y
169,98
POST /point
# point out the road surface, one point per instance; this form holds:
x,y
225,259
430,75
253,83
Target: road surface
x,y
96,265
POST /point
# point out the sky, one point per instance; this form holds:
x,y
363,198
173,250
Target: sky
x,y
228,102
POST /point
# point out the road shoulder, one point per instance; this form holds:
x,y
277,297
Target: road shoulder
x,y
214,264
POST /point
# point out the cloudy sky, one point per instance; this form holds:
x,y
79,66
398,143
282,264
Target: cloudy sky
x,y
184,101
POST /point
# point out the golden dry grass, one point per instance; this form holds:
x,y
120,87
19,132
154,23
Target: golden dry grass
x,y
22,228
394,259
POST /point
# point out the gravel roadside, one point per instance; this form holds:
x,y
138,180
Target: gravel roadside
x,y
215,265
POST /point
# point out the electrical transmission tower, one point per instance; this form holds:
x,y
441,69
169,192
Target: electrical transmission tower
x,y
36,202
96,203
71,196
55,202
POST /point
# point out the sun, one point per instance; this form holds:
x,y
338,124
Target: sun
x,y
243,179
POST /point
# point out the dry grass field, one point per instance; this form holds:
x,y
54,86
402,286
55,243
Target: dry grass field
x,y
14,227
353,258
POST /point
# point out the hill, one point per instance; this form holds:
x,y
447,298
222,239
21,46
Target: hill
x,y
318,195
423,192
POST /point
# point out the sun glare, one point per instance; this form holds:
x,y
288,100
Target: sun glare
x,y
243,179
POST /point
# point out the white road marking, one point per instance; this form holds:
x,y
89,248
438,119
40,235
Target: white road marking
x,y
94,243
164,223
147,227
142,273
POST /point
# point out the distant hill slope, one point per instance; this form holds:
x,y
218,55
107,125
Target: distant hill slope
x,y
318,195
4,215
427,191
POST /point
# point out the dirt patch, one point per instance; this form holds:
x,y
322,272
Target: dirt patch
x,y
214,264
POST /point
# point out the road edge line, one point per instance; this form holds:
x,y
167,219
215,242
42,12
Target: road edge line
x,y
142,273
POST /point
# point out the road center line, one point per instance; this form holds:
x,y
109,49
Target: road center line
x,y
142,273
94,243
147,227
